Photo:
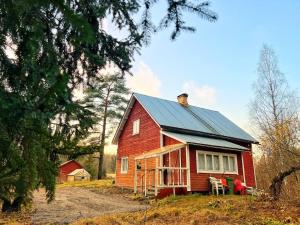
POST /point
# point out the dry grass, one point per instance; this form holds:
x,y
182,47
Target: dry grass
x,y
18,218
196,209
106,183
191,209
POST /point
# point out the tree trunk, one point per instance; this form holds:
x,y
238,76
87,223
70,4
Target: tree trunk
x,y
15,206
100,163
276,185
102,143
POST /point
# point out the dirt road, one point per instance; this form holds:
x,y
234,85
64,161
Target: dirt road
x,y
73,203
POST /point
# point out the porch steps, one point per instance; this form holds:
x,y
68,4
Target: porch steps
x,y
151,192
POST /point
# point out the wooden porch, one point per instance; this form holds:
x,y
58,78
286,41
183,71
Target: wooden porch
x,y
156,170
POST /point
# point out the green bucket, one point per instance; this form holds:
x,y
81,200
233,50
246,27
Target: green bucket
x,y
229,181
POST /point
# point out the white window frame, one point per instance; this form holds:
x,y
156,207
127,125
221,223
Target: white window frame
x,y
136,127
221,171
124,171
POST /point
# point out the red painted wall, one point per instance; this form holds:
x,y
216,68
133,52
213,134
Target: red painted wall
x,y
249,169
67,168
199,181
132,145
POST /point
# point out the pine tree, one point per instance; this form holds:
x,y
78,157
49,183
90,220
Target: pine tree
x,y
47,49
107,98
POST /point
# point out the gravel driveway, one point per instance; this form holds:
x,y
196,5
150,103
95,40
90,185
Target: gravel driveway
x,y
73,203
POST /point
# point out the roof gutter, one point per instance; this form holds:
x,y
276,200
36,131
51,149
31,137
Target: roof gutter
x,y
193,132
217,147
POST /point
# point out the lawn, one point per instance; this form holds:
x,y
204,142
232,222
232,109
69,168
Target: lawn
x,y
197,209
105,183
190,209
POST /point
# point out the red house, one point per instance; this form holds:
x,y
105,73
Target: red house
x,y
166,146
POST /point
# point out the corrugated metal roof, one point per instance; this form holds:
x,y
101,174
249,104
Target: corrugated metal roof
x,y
204,141
171,114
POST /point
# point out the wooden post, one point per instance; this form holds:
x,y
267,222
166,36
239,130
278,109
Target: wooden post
x,y
145,177
174,193
243,168
156,175
188,172
161,159
169,171
135,177
180,170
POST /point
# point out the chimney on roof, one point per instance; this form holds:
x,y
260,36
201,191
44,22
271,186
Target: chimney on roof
x,y
183,99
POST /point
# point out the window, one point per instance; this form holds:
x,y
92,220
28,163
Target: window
x,y
208,161
215,162
136,127
124,165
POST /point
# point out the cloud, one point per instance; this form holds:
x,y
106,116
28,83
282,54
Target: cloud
x,y
144,81
200,95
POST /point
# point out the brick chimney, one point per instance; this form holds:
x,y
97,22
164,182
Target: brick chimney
x,y
183,99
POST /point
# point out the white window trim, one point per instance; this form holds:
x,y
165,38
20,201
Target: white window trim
x,y
124,171
220,160
136,131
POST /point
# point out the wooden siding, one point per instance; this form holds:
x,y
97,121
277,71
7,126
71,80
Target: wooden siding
x,y
249,169
199,181
169,141
132,145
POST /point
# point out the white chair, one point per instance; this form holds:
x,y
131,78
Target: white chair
x,y
249,190
216,185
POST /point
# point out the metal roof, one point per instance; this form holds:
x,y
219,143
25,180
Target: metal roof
x,y
171,114
204,141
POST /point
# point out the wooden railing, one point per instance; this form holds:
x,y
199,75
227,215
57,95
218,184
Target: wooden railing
x,y
172,177
161,177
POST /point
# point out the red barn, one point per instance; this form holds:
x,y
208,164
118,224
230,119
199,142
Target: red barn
x,y
166,146
67,168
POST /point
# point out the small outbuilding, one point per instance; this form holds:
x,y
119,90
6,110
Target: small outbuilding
x,y
79,175
72,171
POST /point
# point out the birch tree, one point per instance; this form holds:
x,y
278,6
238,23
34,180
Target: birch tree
x,y
275,111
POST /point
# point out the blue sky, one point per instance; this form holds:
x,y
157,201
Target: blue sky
x,y
217,65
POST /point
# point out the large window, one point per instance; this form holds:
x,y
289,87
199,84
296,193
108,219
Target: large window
x,y
124,165
136,127
214,162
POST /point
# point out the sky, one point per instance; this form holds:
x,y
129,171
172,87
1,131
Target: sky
x,y
217,65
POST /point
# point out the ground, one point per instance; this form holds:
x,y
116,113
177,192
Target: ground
x,y
99,202
72,203
206,210
77,200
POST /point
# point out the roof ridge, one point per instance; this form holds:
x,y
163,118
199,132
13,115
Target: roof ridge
x,y
173,101
202,120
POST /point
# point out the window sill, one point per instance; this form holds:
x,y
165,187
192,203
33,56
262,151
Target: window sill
x,y
124,172
217,172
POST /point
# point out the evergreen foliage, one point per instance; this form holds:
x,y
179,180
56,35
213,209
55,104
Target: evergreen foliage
x,y
47,49
107,98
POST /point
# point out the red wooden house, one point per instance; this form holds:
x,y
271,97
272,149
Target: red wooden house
x,y
166,146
